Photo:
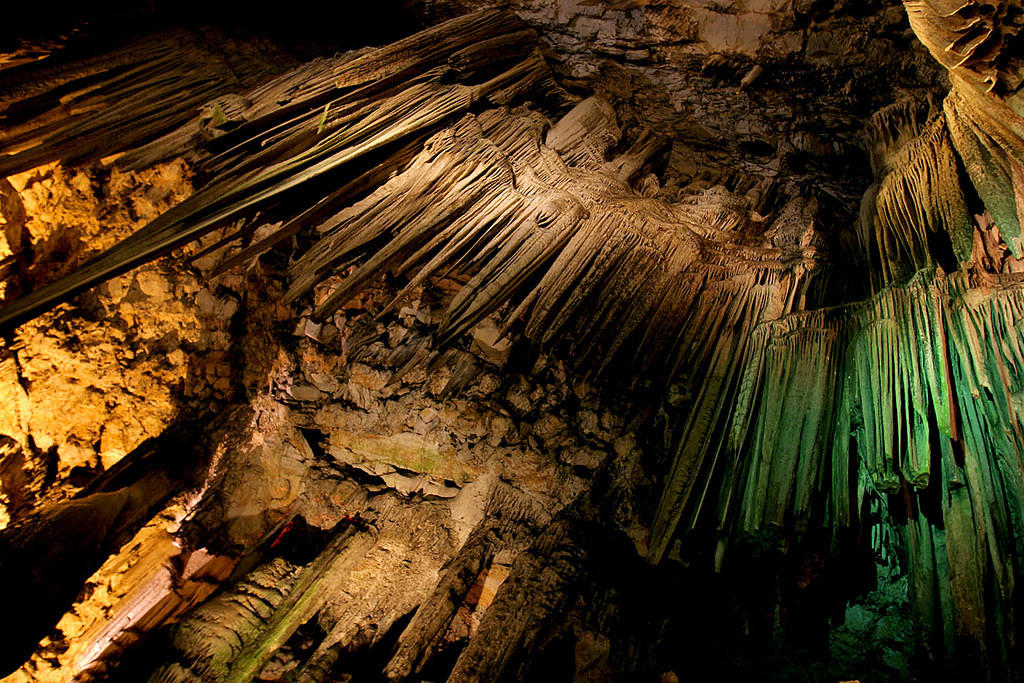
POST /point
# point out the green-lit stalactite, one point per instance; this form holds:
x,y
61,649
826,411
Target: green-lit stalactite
x,y
916,392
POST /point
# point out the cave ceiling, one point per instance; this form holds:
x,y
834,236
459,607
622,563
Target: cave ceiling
x,y
455,340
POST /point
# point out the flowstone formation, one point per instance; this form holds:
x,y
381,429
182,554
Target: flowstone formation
x,y
475,357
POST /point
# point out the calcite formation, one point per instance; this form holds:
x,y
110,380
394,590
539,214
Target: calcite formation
x,y
454,372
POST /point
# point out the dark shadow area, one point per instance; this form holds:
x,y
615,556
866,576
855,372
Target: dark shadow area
x,y
305,27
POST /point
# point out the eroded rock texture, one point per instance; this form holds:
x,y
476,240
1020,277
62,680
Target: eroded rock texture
x,y
609,341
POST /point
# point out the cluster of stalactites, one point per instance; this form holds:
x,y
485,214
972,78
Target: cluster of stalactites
x,y
363,113
922,157
578,255
916,202
978,40
911,397
989,138
930,167
930,413
541,217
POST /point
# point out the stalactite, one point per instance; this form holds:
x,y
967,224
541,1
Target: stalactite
x,y
916,199
81,109
989,137
315,121
933,415
976,39
213,635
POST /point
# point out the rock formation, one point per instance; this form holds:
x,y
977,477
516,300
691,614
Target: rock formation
x,y
611,341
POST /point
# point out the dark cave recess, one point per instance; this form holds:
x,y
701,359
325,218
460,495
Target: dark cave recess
x,y
305,27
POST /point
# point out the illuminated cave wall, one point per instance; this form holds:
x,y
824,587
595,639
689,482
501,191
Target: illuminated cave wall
x,y
641,340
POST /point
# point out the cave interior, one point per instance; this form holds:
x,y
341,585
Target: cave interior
x,y
516,340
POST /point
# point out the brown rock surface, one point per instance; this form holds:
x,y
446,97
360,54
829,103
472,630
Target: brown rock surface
x,y
85,385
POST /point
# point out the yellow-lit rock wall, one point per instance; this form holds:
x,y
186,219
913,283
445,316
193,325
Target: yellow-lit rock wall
x,y
83,385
